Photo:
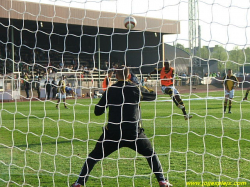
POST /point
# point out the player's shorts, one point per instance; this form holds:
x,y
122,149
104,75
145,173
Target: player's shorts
x,y
61,96
229,94
174,91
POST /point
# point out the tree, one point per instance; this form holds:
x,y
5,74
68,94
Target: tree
x,y
236,56
180,46
220,54
204,52
247,53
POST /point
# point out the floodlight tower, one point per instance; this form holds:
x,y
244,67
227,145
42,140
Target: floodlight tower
x,y
194,28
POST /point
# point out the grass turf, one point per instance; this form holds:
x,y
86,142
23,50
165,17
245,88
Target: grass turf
x,y
42,146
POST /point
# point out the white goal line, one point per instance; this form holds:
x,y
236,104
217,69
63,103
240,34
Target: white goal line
x,y
192,99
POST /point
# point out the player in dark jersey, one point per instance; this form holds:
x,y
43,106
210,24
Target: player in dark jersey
x,y
230,82
123,128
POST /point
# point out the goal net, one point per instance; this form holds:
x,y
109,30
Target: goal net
x,y
55,48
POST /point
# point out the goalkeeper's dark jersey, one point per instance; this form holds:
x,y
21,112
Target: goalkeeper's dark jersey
x,y
123,100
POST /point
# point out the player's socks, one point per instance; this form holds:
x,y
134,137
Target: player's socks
x,y
225,108
246,95
175,101
184,111
229,109
181,105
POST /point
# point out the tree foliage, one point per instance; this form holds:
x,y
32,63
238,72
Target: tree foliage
x,y
226,59
220,54
180,46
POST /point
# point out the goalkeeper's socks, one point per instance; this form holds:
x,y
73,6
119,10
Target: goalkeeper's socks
x,y
229,108
225,108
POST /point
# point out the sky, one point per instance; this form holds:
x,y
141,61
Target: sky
x,y
222,22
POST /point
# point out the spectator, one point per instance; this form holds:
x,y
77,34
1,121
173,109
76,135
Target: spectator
x,y
54,88
26,85
48,88
71,68
184,79
73,62
61,65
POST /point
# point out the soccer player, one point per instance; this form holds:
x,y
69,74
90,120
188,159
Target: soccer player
x,y
123,128
167,87
69,90
62,92
245,98
134,80
230,82
107,81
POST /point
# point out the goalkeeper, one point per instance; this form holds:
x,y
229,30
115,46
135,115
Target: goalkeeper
x,y
167,87
124,128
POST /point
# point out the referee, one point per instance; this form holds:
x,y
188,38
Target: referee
x,y
123,128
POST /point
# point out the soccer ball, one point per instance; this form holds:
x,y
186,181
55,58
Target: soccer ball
x,y
130,22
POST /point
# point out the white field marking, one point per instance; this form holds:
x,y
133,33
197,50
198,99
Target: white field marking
x,y
192,99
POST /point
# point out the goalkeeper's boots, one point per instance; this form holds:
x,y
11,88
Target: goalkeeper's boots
x,y
245,98
75,185
180,106
165,184
186,117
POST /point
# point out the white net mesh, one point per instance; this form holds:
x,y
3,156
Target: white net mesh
x,y
40,41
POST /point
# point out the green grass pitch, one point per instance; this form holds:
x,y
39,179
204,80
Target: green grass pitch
x,y
42,146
